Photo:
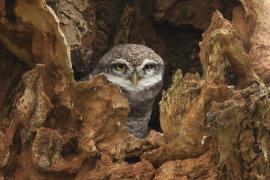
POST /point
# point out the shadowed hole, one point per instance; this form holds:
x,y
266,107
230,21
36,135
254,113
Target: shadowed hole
x,y
9,8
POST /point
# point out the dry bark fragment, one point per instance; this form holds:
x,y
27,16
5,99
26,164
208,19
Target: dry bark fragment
x,y
46,153
4,151
49,45
179,116
99,106
235,118
105,169
242,25
187,106
221,46
78,22
258,13
34,100
202,167
32,108
104,111
138,147
38,102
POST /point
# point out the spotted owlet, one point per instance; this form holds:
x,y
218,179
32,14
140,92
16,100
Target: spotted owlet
x,y
138,71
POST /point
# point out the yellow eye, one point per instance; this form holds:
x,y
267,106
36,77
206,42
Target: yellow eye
x,y
120,67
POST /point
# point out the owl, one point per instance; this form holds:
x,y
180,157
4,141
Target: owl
x,y
138,71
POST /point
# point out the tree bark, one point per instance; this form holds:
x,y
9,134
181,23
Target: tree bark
x,y
214,112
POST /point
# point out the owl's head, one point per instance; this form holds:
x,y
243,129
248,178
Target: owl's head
x,y
133,67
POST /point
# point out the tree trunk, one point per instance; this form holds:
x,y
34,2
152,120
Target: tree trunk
x,y
211,121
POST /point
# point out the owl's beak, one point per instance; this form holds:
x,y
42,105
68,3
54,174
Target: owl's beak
x,y
134,78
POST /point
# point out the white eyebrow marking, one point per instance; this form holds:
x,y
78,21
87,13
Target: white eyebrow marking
x,y
115,61
122,61
146,61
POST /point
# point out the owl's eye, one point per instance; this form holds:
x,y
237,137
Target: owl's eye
x,y
149,66
120,67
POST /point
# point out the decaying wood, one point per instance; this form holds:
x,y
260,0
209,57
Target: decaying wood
x,y
90,113
254,29
195,12
214,126
199,168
